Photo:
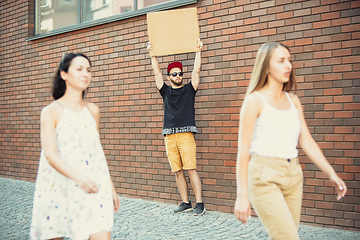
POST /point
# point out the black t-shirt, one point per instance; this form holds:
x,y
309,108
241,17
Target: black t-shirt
x,y
179,111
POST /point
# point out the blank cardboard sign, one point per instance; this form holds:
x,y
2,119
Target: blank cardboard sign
x,y
173,32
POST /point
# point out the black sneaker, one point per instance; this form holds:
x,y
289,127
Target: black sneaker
x,y
184,207
199,209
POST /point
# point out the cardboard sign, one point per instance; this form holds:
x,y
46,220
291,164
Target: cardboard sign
x,y
173,32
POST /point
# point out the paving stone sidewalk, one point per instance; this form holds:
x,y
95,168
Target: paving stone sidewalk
x,y
140,219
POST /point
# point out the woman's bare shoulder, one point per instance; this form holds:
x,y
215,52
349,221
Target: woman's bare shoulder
x,y
52,113
252,105
53,108
253,99
295,99
93,108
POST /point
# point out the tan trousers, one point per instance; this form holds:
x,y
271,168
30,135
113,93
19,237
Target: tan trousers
x,y
275,192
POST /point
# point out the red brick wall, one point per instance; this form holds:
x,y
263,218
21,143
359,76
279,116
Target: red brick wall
x,y
323,36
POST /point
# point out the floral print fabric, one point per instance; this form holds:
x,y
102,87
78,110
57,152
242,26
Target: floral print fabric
x,y
61,208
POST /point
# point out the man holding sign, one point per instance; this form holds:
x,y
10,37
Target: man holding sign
x,y
179,126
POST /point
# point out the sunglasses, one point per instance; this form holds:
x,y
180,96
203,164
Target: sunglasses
x,y
176,73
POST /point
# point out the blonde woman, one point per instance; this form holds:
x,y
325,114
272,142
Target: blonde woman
x,y
272,123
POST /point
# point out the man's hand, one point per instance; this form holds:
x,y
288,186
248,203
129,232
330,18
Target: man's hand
x,y
149,47
199,45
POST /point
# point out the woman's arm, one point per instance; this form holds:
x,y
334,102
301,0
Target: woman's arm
x,y
250,111
116,199
48,142
315,154
95,111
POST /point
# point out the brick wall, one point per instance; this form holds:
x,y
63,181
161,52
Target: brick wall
x,y
323,36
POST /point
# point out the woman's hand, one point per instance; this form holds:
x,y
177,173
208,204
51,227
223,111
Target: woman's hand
x,y
242,209
116,201
86,184
339,184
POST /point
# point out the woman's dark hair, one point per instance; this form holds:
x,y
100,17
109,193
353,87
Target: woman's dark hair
x,y
59,86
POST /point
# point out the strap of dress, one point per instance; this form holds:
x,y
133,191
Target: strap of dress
x,y
288,97
261,96
60,104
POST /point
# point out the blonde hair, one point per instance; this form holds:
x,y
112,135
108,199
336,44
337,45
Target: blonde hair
x,y
259,74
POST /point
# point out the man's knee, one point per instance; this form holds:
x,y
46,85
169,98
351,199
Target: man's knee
x,y
191,172
179,173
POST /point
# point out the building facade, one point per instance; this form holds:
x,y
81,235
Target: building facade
x,y
324,39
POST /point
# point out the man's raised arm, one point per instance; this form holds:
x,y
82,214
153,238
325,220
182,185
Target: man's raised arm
x,y
195,77
156,68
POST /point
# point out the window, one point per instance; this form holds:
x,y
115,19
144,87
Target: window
x,y
57,16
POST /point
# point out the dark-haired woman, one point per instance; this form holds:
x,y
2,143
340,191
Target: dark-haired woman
x,y
271,125
74,195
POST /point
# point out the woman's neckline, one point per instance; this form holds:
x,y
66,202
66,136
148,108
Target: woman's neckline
x,y
65,107
266,102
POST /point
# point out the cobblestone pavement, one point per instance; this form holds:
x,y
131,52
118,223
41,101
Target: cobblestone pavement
x,y
141,219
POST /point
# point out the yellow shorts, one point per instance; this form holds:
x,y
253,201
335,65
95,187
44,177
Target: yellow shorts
x,y
181,151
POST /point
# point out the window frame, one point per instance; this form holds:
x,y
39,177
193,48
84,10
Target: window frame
x,y
118,17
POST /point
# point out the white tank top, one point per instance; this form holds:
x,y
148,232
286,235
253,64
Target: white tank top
x,y
276,131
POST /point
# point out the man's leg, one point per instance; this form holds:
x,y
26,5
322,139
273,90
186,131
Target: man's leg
x,y
182,185
199,208
195,183
185,206
173,154
187,149
176,165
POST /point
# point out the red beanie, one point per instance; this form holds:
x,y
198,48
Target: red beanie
x,y
174,65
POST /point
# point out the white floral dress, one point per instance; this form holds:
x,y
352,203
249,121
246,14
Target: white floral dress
x,y
61,208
